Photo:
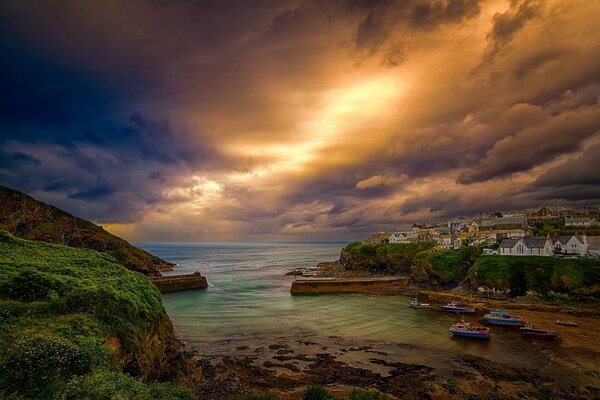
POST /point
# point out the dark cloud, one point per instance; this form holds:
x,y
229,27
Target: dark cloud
x,y
507,24
582,170
535,145
10,160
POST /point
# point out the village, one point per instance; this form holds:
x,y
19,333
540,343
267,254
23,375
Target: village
x,y
545,231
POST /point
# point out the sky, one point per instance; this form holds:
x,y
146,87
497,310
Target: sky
x,y
298,120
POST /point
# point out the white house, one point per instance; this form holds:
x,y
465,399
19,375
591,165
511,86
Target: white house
x,y
578,221
526,246
571,244
399,237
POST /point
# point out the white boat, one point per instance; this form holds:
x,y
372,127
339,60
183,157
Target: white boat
x,y
417,304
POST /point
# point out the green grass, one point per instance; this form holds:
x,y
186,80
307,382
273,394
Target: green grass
x,y
576,277
317,392
450,265
382,257
57,307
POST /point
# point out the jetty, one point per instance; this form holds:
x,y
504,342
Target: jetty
x,y
175,283
344,285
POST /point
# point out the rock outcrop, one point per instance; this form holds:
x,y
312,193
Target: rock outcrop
x,y
31,219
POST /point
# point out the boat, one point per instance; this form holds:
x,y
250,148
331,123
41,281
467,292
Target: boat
x,y
503,318
417,304
465,329
529,330
567,323
452,307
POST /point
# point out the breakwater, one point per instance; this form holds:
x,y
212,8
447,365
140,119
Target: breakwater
x,y
177,283
347,285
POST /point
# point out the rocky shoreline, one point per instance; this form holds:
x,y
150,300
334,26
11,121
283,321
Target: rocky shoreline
x,y
287,365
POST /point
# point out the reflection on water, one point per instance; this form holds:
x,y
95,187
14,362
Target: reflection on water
x,y
249,298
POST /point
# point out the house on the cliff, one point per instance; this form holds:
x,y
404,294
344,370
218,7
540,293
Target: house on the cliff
x,y
572,244
526,246
399,237
578,221
505,227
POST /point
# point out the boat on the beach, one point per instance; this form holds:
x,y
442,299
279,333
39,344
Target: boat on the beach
x,y
453,307
567,323
465,329
503,318
529,330
417,304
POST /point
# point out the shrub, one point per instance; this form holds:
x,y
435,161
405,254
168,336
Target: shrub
x,y
36,362
317,392
253,396
113,385
30,285
356,394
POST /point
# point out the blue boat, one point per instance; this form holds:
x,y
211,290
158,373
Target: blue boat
x,y
464,329
503,318
452,307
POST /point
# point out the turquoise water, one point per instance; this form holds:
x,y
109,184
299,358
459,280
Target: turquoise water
x,y
248,299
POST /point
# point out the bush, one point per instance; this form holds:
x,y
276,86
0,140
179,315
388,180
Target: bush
x,y
30,285
36,362
253,396
317,392
112,385
366,395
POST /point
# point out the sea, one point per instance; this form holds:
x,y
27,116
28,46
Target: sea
x,y
248,301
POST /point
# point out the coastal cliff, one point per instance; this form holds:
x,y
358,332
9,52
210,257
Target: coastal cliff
x,y
76,324
381,258
576,279
31,219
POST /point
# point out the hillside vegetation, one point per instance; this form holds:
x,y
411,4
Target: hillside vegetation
x,y
573,278
74,324
444,268
383,258
549,277
31,219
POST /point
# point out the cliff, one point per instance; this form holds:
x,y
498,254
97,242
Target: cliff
x,y
31,219
443,269
76,324
575,279
548,277
381,258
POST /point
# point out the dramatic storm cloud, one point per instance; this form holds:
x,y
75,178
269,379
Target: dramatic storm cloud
x,y
298,120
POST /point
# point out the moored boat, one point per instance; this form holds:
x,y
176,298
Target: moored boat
x,y
567,323
452,307
465,329
417,304
503,318
529,330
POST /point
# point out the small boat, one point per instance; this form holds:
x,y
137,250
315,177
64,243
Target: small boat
x,y
452,307
567,323
417,304
503,318
464,329
529,330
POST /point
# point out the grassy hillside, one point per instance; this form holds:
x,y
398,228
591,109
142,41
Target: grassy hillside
x,y
30,219
73,322
445,268
389,258
549,276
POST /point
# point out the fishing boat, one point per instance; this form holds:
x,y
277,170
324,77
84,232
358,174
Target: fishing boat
x,y
452,307
417,304
465,329
567,323
529,330
503,318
